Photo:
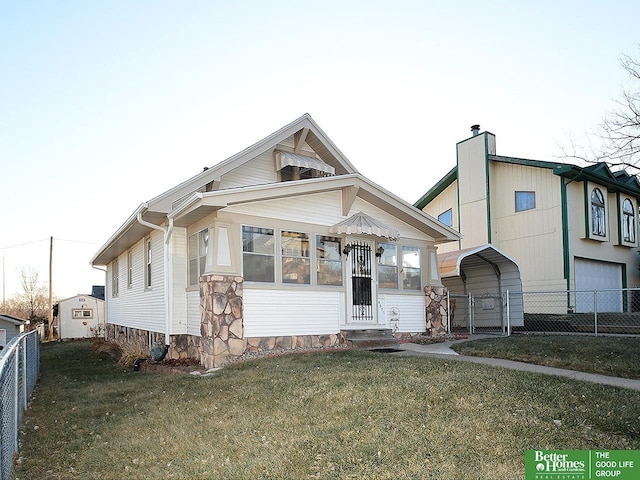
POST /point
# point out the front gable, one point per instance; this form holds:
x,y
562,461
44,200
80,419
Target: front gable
x,y
260,163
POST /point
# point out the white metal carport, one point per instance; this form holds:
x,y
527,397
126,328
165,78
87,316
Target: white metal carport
x,y
487,275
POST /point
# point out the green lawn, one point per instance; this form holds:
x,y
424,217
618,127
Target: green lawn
x,y
615,356
346,414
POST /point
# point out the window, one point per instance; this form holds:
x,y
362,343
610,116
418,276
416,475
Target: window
x,y
411,277
598,213
82,313
628,221
296,266
129,269
198,248
446,218
328,253
148,259
525,201
258,254
115,267
388,266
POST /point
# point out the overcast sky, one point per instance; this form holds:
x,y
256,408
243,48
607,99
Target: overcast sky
x,y
104,105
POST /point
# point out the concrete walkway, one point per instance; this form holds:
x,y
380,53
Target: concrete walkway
x,y
443,350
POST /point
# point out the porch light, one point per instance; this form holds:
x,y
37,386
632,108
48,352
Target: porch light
x,y
347,249
379,251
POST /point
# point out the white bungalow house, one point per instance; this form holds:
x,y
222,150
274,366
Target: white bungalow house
x,y
283,244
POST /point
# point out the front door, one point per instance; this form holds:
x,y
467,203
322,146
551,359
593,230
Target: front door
x,y
361,272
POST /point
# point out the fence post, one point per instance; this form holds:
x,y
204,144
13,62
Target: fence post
x,y
508,316
595,313
470,313
448,313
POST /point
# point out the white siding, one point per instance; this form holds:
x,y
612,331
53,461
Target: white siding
x,y
405,230
269,312
322,208
411,309
75,327
258,171
139,307
179,276
193,312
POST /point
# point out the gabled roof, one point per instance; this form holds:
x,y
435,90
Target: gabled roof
x,y
598,173
11,319
187,202
304,127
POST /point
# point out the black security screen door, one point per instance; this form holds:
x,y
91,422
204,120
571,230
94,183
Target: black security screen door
x,y
361,283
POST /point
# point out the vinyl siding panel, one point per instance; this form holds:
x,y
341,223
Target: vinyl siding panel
x,y
179,276
269,312
193,312
258,171
138,307
321,208
533,237
448,199
472,187
412,313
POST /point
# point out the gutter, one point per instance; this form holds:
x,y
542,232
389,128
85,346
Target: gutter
x,y
166,269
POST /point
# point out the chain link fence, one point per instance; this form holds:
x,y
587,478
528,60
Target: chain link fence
x,y
19,368
601,312
586,312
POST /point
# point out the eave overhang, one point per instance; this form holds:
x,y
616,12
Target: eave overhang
x,y
200,205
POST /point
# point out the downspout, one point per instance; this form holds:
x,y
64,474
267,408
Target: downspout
x,y
166,270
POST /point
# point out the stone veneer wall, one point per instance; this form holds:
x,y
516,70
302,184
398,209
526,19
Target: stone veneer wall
x,y
221,321
436,307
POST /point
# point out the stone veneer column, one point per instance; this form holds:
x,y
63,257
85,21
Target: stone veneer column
x,y
436,307
221,319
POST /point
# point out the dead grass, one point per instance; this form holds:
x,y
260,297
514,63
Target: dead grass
x,y
605,355
339,415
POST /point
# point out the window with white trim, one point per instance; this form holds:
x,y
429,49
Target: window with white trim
x,y
148,262
296,265
628,221
598,213
198,248
411,275
115,273
82,313
329,257
258,254
388,266
129,269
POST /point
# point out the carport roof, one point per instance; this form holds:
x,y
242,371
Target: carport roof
x,y
450,262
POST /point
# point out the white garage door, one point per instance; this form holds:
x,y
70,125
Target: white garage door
x,y
591,276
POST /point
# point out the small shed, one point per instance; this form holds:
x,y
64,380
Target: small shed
x,y
10,327
81,316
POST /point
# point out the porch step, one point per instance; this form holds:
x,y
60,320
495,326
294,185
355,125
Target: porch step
x,y
371,338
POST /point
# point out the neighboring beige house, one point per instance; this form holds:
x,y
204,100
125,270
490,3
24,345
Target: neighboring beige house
x,y
80,316
567,227
283,244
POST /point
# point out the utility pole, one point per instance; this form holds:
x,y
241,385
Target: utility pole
x,y
50,288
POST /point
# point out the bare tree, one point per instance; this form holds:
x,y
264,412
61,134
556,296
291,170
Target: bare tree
x,y
619,131
34,296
